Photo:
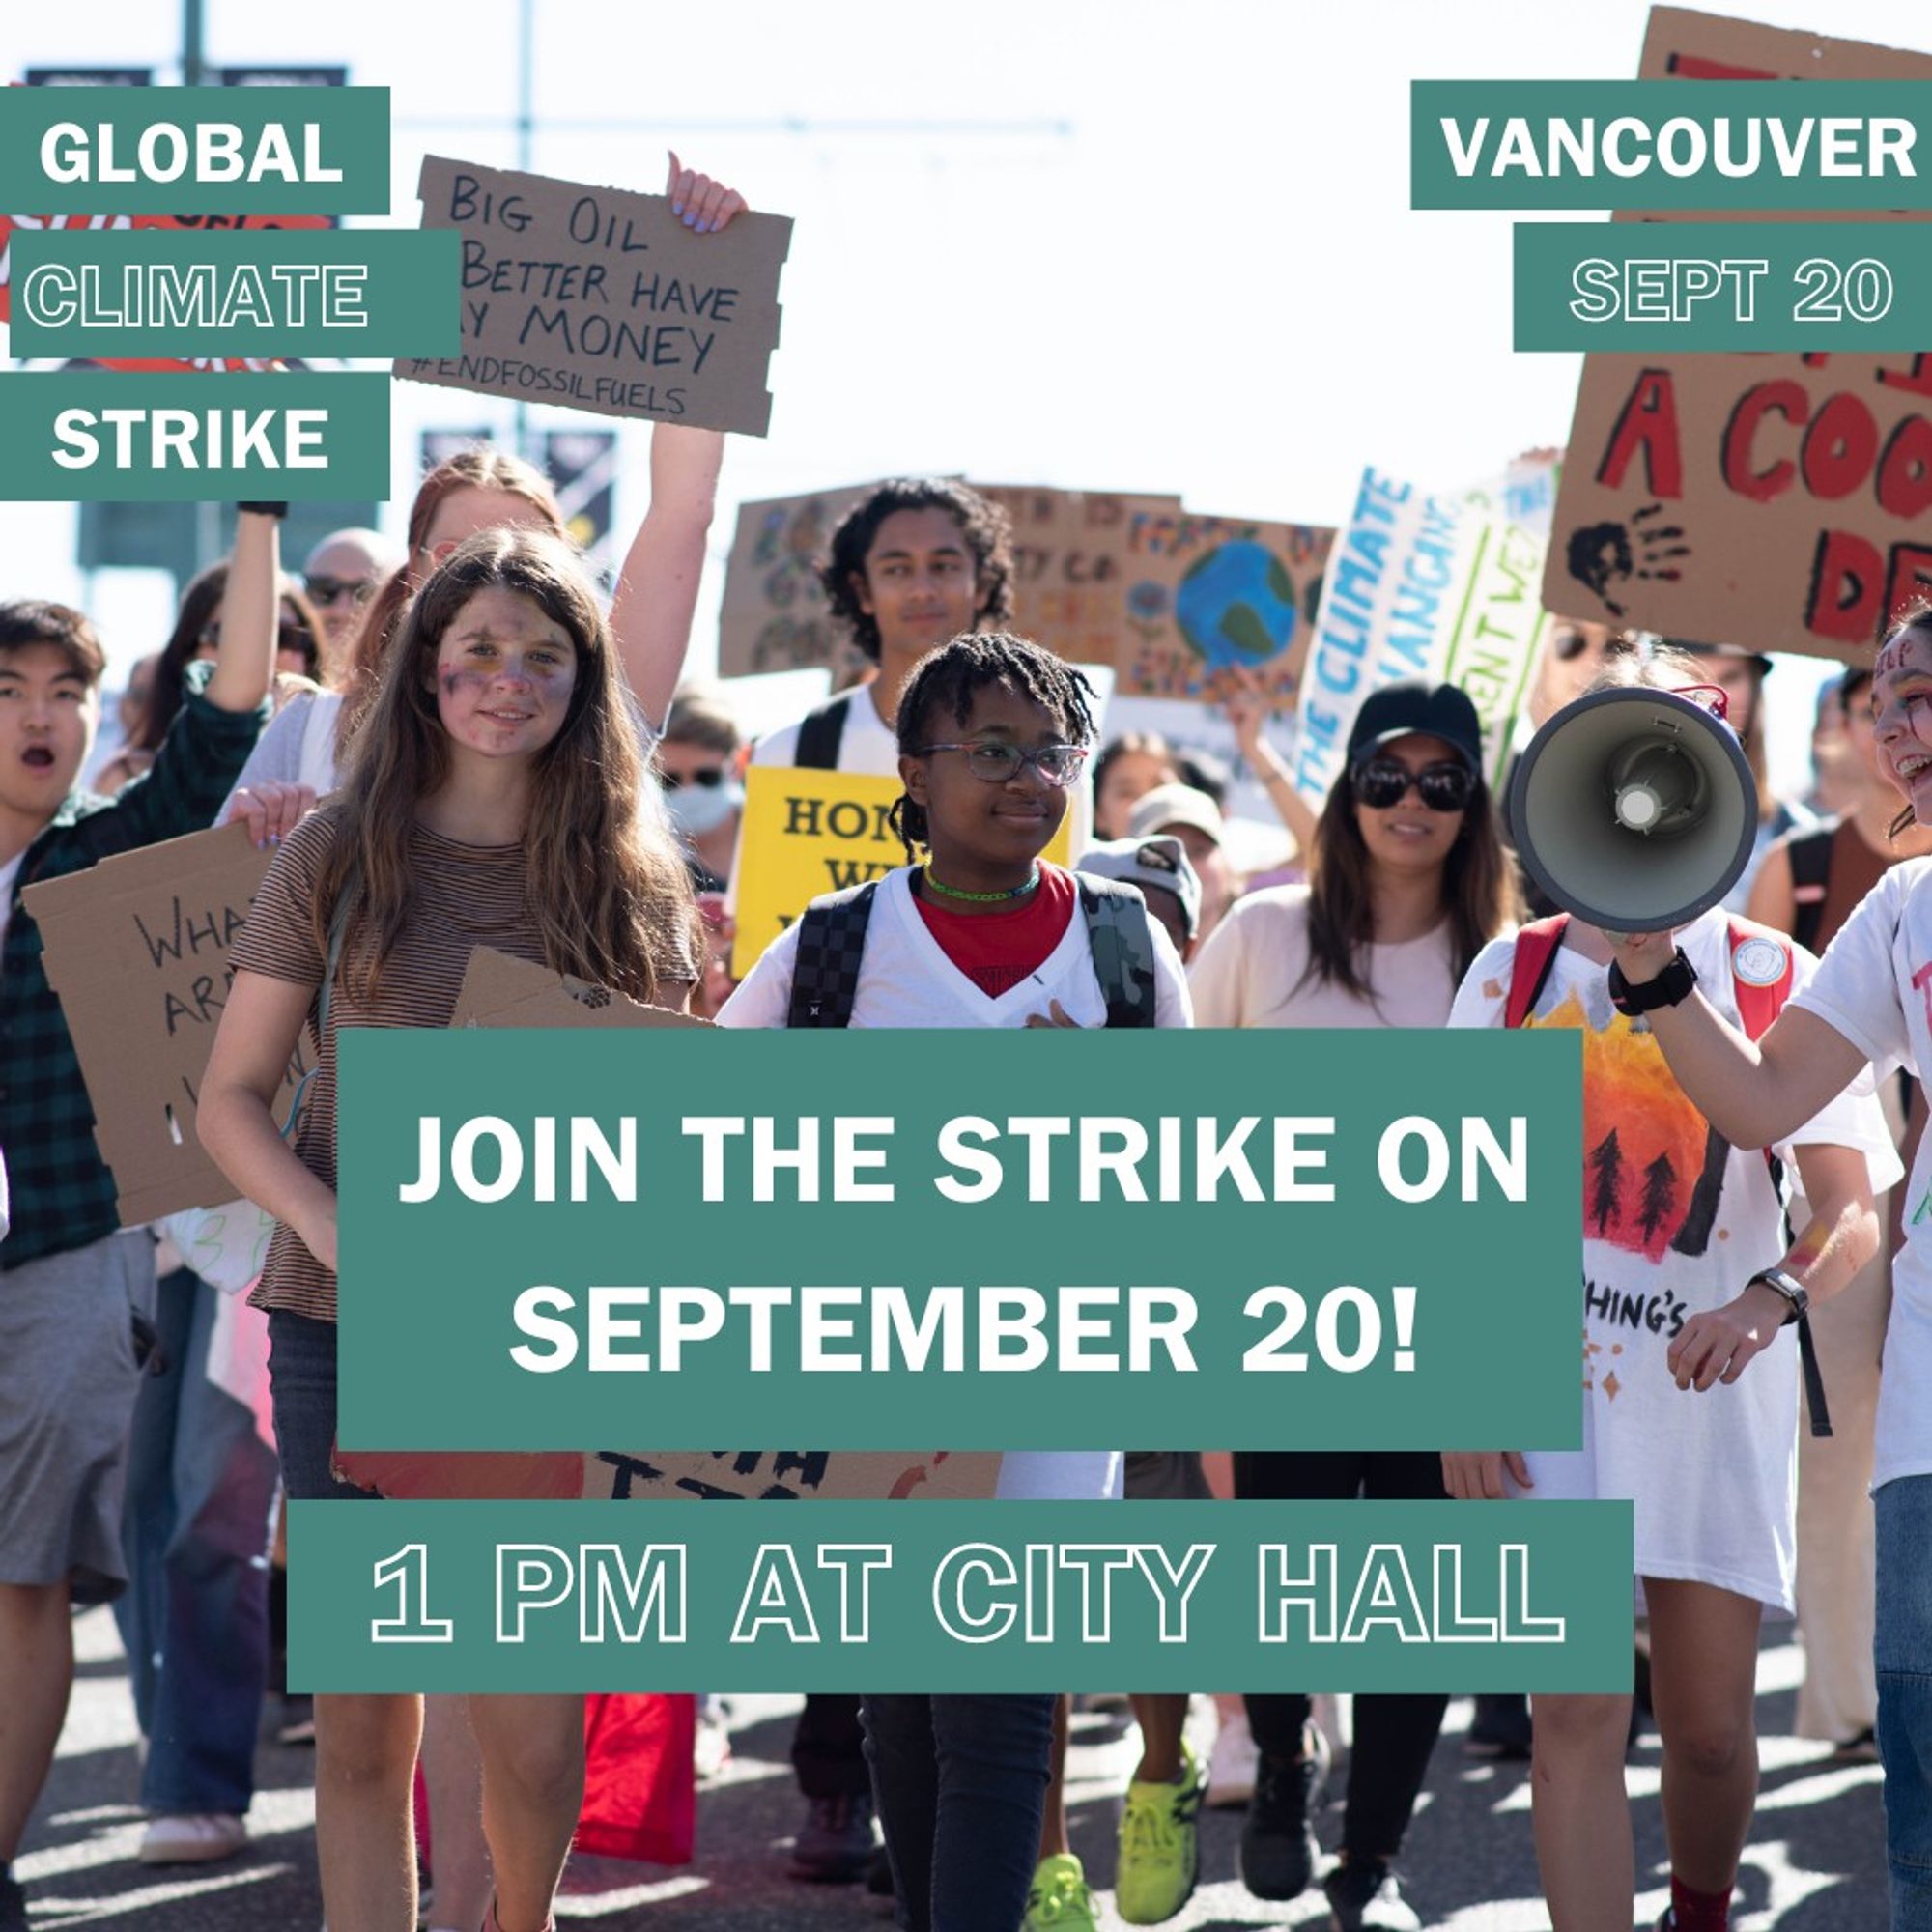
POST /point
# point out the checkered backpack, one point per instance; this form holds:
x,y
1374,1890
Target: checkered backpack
x,y
832,944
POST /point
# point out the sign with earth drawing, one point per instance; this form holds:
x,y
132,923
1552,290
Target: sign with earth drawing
x,y
1208,594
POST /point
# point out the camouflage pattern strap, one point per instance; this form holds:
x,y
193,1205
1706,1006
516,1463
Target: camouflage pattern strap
x,y
1122,949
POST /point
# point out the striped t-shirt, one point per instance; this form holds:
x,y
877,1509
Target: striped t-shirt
x,y
463,896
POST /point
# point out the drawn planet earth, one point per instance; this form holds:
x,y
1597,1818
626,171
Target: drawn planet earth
x,y
1235,606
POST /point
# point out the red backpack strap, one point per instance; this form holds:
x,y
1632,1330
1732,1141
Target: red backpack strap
x,y
1761,969
1535,954
1762,962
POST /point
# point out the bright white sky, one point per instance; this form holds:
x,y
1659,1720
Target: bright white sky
x,y
1122,245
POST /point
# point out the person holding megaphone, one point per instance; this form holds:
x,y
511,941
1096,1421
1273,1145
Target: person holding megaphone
x,y
1869,1004
1635,806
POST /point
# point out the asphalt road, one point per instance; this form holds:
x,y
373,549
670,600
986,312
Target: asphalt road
x,y
1815,1862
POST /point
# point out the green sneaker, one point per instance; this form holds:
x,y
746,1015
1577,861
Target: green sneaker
x,y
1059,1901
1161,1846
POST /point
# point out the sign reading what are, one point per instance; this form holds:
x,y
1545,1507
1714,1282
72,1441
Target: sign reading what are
x,y
137,949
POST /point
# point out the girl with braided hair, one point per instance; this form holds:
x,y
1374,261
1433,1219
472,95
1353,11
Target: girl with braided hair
x,y
981,932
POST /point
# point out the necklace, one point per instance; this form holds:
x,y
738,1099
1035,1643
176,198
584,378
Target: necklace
x,y
979,898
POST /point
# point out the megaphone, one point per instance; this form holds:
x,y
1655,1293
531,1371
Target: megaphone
x,y
1635,809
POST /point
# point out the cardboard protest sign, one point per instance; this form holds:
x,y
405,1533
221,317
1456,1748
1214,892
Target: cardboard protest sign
x,y
1775,501
774,616
1420,587
190,222
807,832
601,300
1070,565
501,990
661,1475
137,949
1207,593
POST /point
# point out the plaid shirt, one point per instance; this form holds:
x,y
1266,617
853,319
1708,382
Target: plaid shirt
x,y
62,1192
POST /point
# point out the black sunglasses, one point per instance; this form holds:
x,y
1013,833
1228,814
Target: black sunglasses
x,y
1379,782
710,777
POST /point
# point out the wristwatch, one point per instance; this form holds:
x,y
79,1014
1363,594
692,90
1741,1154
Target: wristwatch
x,y
1782,1282
1671,987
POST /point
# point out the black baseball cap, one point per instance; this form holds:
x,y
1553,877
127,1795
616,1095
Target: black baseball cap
x,y
1395,710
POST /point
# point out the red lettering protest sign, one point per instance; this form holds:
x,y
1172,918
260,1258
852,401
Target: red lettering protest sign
x,y
206,223
1774,501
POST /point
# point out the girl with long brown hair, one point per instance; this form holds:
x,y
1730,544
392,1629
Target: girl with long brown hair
x,y
496,796
1408,881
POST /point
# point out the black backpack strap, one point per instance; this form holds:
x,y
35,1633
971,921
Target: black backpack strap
x,y
1810,858
819,733
1123,948
825,969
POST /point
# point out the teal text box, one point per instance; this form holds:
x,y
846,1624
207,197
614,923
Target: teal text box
x,y
429,1288
343,130
960,1596
351,437
1722,285
93,293
1435,182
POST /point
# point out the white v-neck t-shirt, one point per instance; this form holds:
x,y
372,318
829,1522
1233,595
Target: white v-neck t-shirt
x,y
905,979
1675,1222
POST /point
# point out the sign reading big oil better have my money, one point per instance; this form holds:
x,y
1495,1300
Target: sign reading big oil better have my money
x,y
602,300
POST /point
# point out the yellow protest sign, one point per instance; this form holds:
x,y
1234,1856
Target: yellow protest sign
x,y
808,832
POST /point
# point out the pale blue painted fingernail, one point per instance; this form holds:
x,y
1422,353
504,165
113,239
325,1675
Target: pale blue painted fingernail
x,y
275,839
677,208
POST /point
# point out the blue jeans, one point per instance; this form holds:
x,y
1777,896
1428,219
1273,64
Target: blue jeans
x,y
1903,1653
195,1520
302,1389
960,1784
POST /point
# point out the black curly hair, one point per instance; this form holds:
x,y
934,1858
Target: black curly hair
x,y
945,681
988,533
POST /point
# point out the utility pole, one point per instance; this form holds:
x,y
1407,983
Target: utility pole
x,y
527,127
194,74
193,69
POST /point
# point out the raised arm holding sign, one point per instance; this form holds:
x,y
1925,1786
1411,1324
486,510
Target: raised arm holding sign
x,y
657,589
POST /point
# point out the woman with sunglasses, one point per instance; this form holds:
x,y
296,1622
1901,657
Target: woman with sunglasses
x,y
992,732
1686,1270
1407,882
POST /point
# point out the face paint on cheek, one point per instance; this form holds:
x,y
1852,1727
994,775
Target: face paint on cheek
x,y
456,683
